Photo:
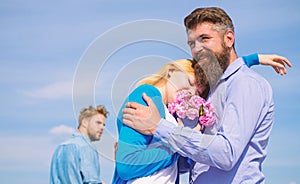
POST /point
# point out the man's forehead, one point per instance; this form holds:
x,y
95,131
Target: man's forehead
x,y
193,34
203,28
98,117
101,117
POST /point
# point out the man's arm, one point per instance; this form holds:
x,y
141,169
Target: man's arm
x,y
221,150
141,118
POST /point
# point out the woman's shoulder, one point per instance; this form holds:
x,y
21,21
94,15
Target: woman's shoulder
x,y
150,90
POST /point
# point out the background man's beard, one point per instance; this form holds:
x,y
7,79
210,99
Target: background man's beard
x,y
209,68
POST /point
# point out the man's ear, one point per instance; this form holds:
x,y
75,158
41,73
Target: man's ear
x,y
229,38
84,123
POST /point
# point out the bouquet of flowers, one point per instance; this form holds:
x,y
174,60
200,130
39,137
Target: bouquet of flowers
x,y
191,107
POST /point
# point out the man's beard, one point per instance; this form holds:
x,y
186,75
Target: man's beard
x,y
209,67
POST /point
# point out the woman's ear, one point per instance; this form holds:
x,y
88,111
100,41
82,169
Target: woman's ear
x,y
170,72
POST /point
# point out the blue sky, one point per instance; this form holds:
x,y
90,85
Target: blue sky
x,y
45,44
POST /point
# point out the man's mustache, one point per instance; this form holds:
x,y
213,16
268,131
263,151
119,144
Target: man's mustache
x,y
204,55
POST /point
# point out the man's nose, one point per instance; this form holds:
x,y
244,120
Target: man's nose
x,y
199,46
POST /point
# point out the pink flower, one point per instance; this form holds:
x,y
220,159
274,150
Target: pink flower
x,y
183,95
171,108
208,118
196,101
181,109
193,106
192,113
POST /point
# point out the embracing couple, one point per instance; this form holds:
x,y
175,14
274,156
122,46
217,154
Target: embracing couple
x,y
155,146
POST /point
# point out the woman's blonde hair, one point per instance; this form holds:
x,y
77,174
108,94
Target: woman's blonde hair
x,y
161,76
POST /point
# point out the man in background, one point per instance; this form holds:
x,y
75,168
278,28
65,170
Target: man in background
x,y
77,160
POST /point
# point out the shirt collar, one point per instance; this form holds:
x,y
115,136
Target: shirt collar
x,y
86,139
232,68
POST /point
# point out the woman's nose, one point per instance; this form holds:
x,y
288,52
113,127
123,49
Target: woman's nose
x,y
192,90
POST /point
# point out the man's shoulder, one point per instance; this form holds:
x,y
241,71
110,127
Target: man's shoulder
x,y
246,77
251,74
73,146
238,70
75,141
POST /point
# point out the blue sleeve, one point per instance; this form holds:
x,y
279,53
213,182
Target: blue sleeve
x,y
136,156
251,60
65,165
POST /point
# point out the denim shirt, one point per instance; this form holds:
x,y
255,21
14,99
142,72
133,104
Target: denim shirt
x,y
75,161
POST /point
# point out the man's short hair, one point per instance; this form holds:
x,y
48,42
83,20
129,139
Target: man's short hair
x,y
91,111
214,15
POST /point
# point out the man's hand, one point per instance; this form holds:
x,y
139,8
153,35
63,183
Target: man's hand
x,y
277,62
143,119
115,149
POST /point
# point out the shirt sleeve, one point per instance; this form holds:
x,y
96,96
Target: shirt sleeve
x,y
138,154
65,165
225,148
251,60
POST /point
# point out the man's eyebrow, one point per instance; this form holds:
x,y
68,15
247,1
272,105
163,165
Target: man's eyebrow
x,y
199,37
100,122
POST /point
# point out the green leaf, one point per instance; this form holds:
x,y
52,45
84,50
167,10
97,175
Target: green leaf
x,y
201,111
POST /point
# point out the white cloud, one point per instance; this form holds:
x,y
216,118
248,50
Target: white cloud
x,y
62,130
52,91
61,133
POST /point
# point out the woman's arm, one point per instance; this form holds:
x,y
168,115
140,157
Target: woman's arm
x,y
277,62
